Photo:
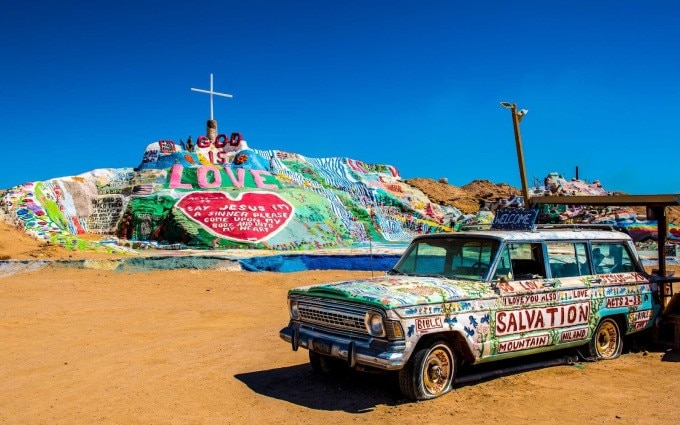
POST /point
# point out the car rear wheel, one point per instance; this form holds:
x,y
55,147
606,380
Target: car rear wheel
x,y
429,373
607,341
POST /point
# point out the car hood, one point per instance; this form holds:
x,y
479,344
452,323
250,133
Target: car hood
x,y
390,292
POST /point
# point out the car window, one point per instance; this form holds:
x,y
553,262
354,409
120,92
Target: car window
x,y
465,258
567,259
611,258
424,259
526,260
504,267
474,260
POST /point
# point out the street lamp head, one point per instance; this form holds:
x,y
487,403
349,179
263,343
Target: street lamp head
x,y
521,114
507,105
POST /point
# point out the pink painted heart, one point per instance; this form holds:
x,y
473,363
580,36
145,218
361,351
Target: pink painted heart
x,y
250,217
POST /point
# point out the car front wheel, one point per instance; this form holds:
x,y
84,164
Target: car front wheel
x,y
429,373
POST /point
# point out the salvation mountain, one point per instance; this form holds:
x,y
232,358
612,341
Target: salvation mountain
x,y
222,194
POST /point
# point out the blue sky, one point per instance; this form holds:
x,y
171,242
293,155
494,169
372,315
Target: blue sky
x,y
414,84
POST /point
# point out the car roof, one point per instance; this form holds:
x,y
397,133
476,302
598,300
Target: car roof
x,y
552,234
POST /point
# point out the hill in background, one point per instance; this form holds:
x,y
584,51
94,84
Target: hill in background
x,y
468,198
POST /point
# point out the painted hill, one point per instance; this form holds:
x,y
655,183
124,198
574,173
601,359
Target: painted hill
x,y
223,194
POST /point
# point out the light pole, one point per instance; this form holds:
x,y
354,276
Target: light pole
x,y
516,118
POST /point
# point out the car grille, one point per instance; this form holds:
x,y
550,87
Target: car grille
x,y
332,319
334,316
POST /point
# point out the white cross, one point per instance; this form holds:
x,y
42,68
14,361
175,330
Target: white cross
x,y
211,93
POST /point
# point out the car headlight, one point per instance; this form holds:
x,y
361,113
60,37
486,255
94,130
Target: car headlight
x,y
374,324
293,308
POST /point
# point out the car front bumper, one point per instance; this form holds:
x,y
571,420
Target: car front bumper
x,y
380,354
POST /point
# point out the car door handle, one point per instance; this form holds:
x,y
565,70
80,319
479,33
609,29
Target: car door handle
x,y
549,283
595,280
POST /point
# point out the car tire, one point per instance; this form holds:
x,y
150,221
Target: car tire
x,y
607,341
429,373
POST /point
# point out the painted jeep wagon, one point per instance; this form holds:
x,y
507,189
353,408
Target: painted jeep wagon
x,y
474,297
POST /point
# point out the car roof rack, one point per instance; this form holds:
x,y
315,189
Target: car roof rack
x,y
556,226
579,226
469,227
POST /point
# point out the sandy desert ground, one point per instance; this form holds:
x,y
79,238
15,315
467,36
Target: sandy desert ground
x,y
88,346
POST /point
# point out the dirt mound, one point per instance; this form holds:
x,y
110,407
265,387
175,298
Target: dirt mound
x,y
486,190
15,244
467,198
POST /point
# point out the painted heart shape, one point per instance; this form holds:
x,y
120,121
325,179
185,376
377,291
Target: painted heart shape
x,y
250,217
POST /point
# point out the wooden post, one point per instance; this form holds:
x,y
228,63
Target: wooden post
x,y
662,230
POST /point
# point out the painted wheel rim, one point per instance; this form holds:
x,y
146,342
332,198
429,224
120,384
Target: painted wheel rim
x,y
437,371
607,341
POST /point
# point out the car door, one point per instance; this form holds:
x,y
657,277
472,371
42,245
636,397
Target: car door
x,y
572,277
524,320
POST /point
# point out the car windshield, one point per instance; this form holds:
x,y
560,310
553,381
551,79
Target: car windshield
x,y
455,257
